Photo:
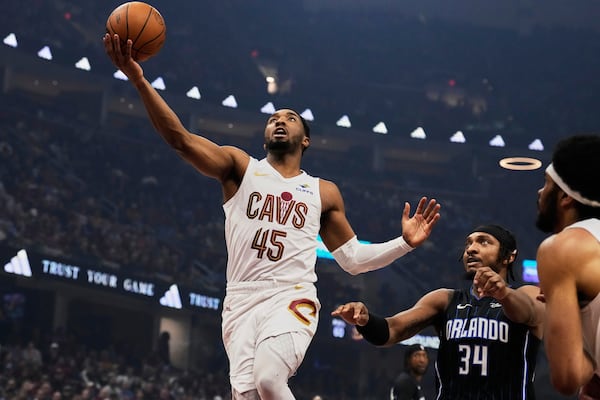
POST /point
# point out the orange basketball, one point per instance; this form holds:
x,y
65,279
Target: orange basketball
x,y
141,23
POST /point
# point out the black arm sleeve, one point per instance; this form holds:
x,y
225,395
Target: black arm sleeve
x,y
376,331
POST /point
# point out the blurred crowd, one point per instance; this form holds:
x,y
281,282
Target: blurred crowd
x,y
64,369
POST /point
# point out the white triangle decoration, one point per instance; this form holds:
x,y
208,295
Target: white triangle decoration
x,y
536,145
83,64
380,128
344,122
11,40
458,137
308,115
193,93
45,53
497,141
230,101
159,84
268,108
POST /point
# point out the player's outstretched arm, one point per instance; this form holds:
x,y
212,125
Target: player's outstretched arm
x,y
355,257
206,156
391,330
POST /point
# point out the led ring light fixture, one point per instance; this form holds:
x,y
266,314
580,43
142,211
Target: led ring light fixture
x,y
520,163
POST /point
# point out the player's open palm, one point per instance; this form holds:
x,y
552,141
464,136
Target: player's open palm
x,y
122,58
416,229
355,313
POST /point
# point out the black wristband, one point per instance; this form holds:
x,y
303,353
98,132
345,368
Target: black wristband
x,y
376,331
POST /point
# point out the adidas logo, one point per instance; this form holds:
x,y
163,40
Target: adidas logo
x,y
19,264
171,298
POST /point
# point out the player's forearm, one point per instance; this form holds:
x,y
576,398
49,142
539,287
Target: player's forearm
x,y
568,376
519,307
163,118
355,257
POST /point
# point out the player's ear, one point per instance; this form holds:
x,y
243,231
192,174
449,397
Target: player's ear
x,y
306,142
511,257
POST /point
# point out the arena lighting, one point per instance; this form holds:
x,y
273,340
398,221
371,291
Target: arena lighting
x,y
520,163
530,273
230,101
344,122
120,75
45,53
272,87
458,137
380,128
83,64
193,93
268,108
11,40
307,115
497,141
536,145
418,133
158,83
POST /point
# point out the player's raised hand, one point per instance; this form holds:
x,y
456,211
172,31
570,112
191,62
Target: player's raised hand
x,y
416,229
121,57
355,313
488,283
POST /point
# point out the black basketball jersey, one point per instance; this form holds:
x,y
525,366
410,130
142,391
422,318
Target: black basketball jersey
x,y
482,354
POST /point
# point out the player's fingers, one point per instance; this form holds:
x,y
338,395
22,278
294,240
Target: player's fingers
x,y
433,217
406,211
430,210
129,47
421,205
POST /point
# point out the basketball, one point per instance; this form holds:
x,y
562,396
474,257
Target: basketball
x,y
141,23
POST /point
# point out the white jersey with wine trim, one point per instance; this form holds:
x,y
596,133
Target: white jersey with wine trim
x,y
271,226
590,313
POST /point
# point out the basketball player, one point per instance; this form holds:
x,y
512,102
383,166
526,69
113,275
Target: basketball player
x,y
489,332
407,385
273,213
569,264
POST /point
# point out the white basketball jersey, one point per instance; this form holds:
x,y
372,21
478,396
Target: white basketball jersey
x,y
590,313
271,226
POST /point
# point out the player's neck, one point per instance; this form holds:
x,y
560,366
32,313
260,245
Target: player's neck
x,y
287,165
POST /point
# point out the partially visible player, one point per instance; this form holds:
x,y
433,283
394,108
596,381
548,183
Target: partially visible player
x,y
569,264
274,211
407,385
489,332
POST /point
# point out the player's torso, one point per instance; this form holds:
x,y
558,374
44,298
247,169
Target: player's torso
x,y
271,226
482,354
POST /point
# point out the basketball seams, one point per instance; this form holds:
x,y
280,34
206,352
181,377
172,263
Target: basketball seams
x,y
143,26
149,41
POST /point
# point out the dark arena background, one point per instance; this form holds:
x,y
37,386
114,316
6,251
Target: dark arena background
x,y
112,250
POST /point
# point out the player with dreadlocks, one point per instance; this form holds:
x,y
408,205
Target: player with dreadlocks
x,y
489,332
